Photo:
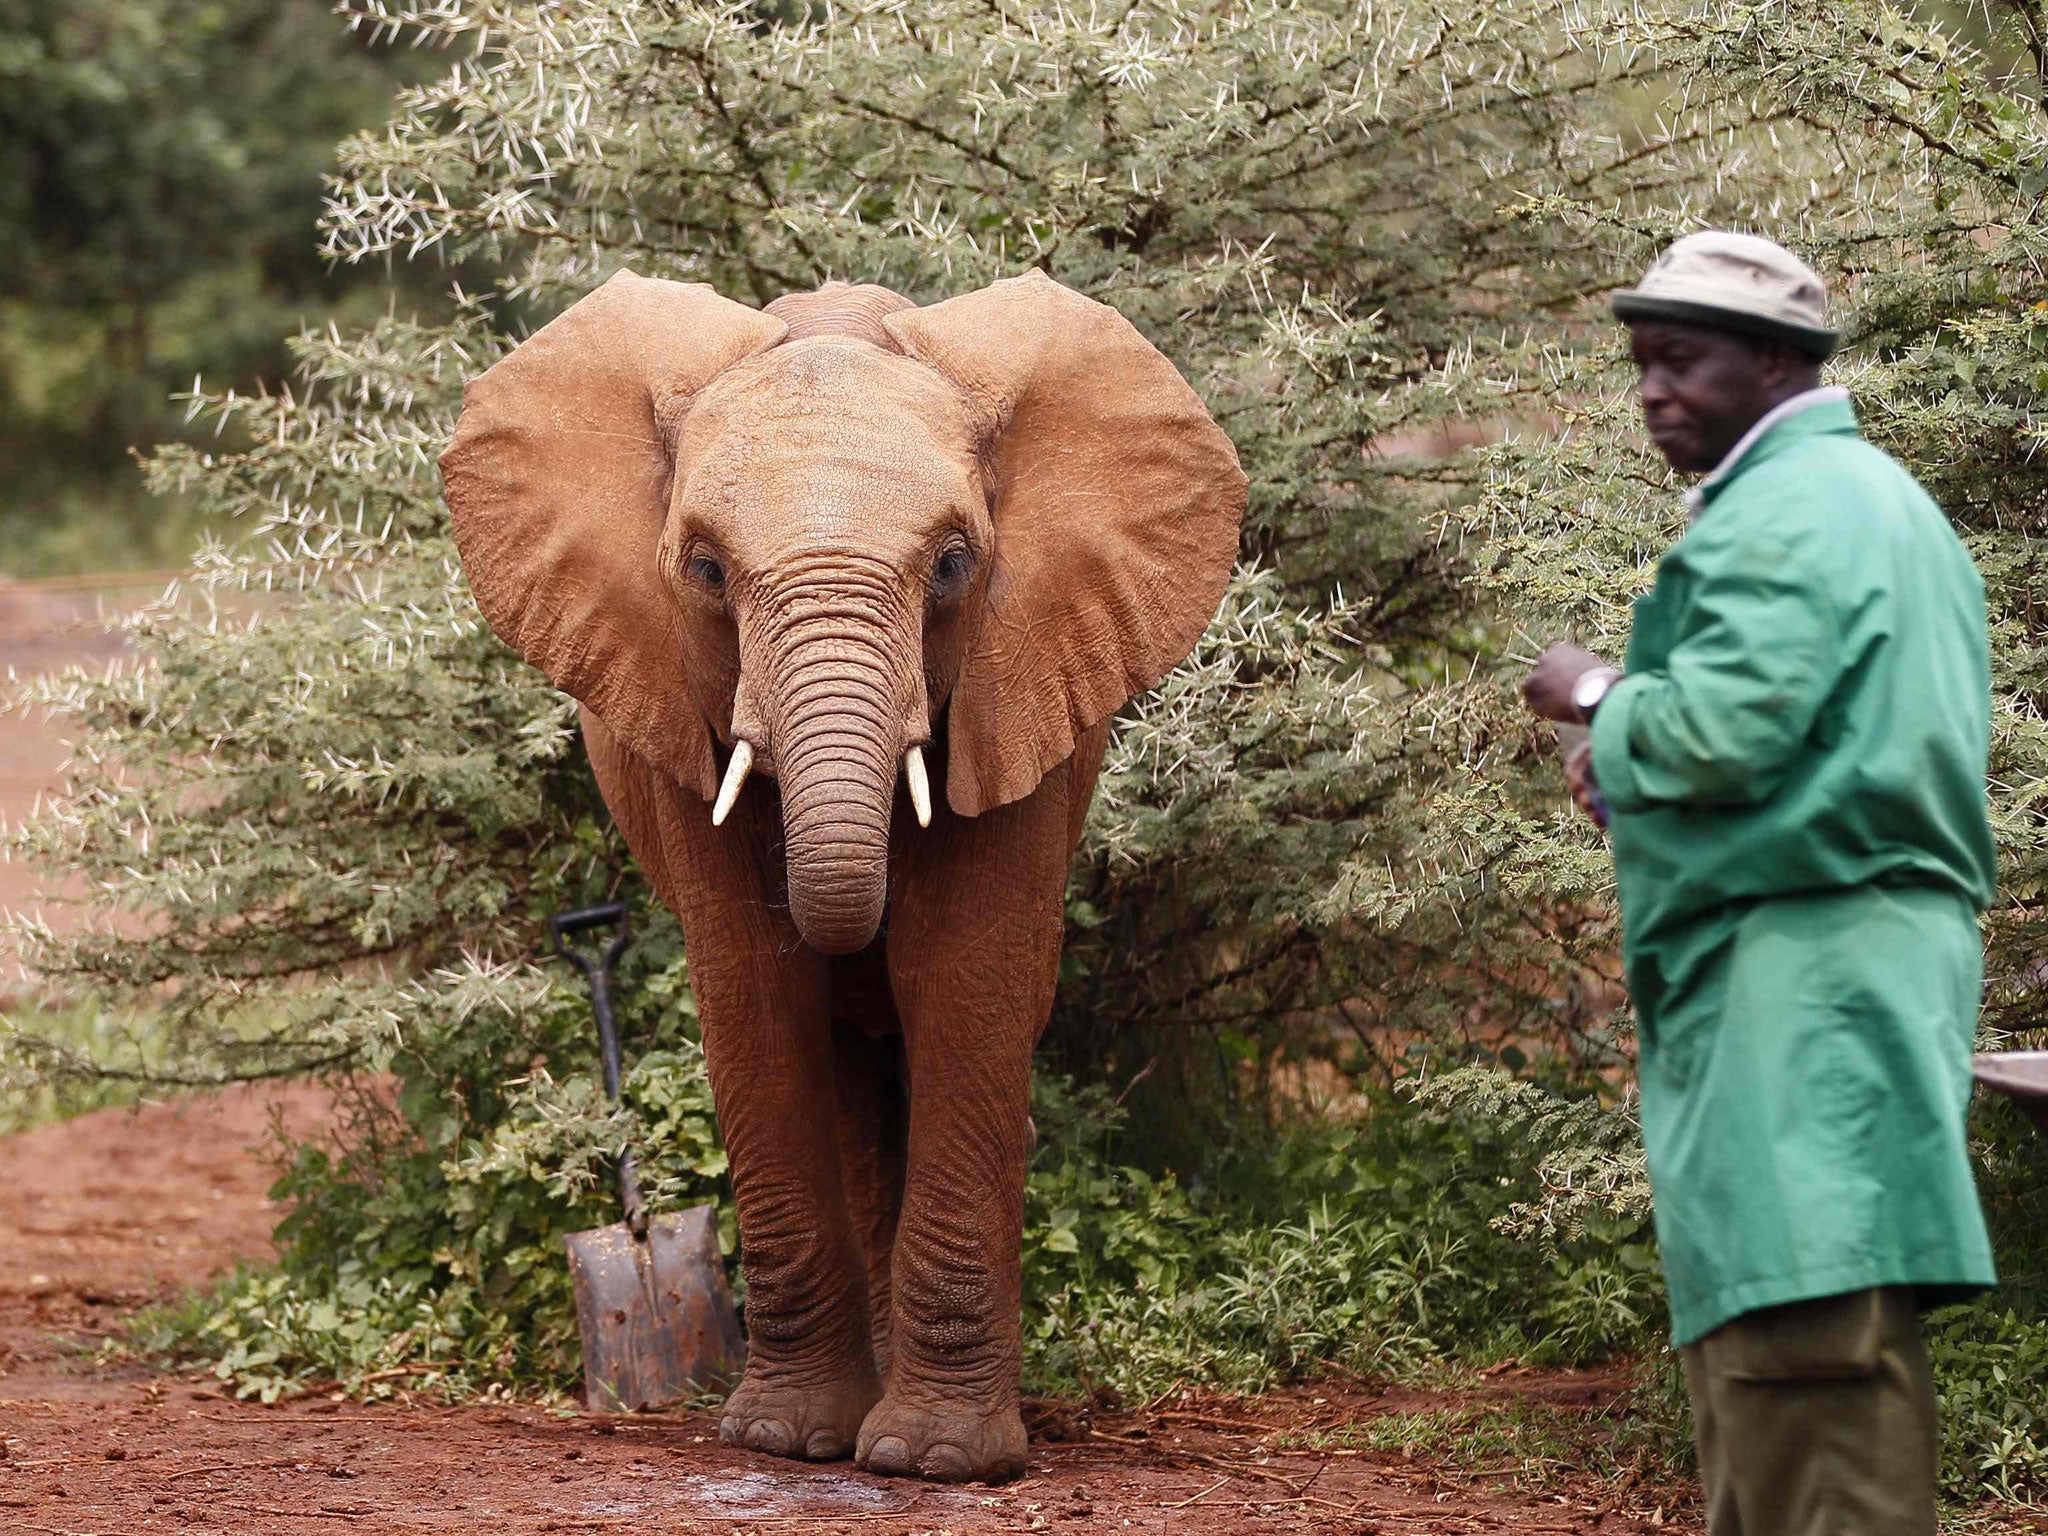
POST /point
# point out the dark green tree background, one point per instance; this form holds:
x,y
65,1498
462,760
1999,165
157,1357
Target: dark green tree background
x,y
160,180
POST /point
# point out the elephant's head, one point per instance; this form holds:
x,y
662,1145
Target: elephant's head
x,y
804,532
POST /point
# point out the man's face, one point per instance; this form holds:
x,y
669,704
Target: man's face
x,y
1702,389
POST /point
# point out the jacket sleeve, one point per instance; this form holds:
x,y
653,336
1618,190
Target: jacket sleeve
x,y
1757,655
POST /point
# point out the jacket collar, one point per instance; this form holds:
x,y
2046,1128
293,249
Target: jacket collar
x,y
1804,415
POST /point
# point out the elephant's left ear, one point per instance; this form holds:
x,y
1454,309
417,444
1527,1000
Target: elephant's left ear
x,y
1118,501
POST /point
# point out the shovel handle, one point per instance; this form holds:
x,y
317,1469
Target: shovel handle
x,y
597,970
583,919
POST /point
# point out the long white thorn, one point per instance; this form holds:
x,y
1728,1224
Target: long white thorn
x,y
735,775
920,786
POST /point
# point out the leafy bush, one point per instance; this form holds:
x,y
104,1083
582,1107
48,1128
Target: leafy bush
x,y
1989,1364
427,1253
1334,824
1368,1244
1387,1245
1583,1171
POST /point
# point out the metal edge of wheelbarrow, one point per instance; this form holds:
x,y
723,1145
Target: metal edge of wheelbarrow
x,y
2021,1076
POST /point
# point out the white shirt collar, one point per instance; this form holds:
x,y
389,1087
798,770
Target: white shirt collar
x,y
1827,394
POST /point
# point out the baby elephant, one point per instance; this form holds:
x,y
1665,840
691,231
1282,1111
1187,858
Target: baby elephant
x,y
793,563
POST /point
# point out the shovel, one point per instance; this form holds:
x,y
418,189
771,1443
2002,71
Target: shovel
x,y
657,1321
2021,1076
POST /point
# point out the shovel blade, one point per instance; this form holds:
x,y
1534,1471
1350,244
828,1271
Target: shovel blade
x,y
657,1320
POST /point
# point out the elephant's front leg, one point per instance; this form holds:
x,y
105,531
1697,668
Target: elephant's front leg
x,y
810,1378
950,1411
974,939
764,1004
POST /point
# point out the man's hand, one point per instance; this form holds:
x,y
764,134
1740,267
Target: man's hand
x,y
1548,689
1578,778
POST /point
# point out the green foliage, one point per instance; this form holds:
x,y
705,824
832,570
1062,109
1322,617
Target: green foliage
x,y
1988,1366
1586,1155
111,1059
1369,1244
1333,817
428,1256
1586,1167
162,180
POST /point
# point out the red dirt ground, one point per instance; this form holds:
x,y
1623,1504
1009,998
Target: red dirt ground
x,y
109,1210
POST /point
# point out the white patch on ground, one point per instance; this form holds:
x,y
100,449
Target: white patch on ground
x,y
767,1493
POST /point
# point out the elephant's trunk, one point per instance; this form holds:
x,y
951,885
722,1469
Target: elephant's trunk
x,y
838,729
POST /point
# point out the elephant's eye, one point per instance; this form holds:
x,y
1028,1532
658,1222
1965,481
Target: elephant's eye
x,y
949,573
707,572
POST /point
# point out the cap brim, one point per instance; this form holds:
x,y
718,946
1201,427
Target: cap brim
x,y
1815,341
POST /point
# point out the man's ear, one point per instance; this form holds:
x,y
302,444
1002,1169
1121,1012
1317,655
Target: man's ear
x,y
1785,370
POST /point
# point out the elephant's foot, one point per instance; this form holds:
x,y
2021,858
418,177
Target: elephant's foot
x,y
948,1441
780,1415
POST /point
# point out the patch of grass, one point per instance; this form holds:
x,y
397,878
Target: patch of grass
x,y
1638,1439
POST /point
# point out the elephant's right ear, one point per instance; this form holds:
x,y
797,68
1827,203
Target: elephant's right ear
x,y
558,486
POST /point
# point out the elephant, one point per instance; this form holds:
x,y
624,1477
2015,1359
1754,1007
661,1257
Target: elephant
x,y
794,562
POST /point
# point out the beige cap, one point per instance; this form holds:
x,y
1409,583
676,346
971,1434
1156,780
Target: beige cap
x,y
1732,282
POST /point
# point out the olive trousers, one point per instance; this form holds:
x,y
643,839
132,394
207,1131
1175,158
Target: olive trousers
x,y
1817,1419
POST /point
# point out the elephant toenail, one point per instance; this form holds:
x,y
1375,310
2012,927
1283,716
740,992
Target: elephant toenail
x,y
945,1464
890,1454
771,1437
824,1445
729,1431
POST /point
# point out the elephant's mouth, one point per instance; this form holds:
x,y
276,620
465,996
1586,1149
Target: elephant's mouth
x,y
916,781
835,823
832,703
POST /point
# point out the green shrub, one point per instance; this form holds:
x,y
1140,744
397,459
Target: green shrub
x,y
1990,1367
428,1253
1369,1244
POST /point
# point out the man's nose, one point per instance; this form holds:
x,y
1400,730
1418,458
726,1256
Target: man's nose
x,y
1653,389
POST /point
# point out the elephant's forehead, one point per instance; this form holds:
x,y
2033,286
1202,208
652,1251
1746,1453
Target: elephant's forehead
x,y
832,425
831,385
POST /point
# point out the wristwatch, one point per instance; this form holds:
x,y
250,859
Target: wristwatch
x,y
1591,688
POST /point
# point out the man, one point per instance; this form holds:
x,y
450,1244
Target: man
x,y
1792,768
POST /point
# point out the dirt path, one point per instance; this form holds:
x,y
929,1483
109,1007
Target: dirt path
x,y
104,1212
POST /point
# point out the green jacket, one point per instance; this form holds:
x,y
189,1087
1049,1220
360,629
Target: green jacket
x,y
1795,770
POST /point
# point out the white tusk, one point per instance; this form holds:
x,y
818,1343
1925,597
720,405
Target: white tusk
x,y
920,786
735,775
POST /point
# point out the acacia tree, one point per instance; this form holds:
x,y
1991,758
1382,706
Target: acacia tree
x,y
1374,238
